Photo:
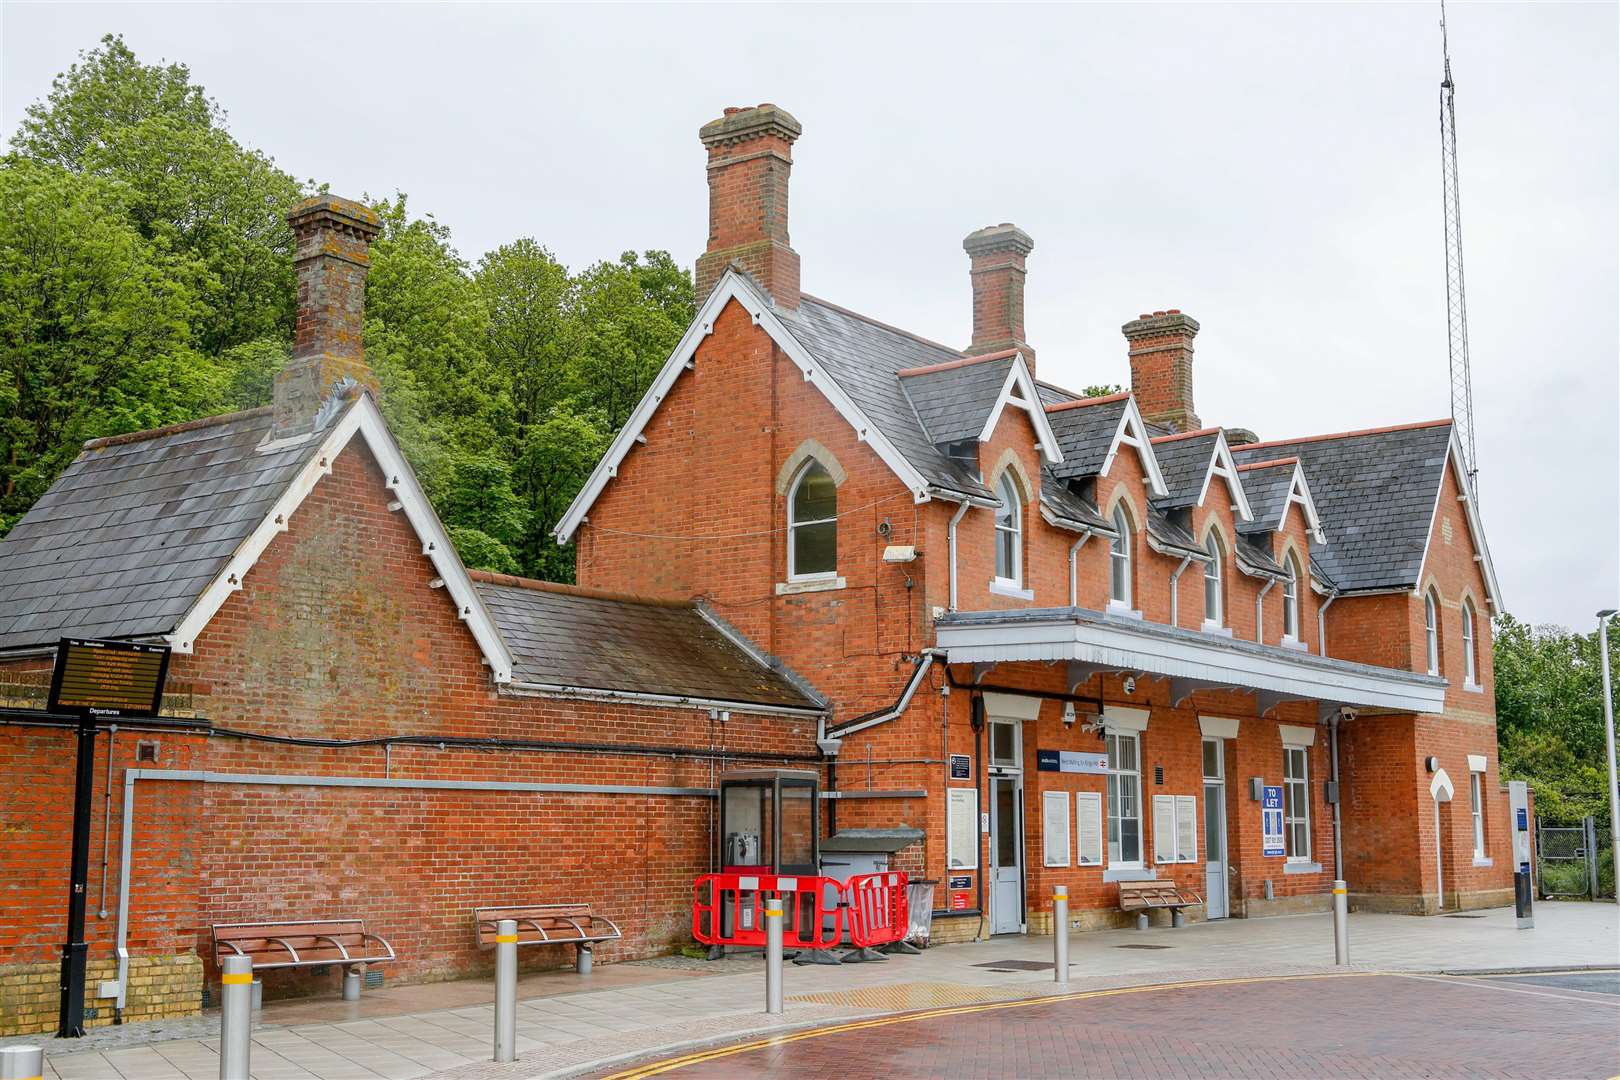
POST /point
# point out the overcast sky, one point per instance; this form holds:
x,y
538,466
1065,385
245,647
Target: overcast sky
x,y
1273,170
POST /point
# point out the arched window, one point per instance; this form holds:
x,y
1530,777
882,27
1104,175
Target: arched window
x,y
1119,559
1470,661
1212,579
812,543
1009,532
1291,597
1431,629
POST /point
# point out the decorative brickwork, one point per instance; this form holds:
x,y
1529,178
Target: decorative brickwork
x,y
750,158
1161,367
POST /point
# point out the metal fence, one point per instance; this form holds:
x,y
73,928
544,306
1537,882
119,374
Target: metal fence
x,y
1574,861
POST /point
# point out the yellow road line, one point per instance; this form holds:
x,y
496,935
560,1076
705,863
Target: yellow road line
x,y
670,1064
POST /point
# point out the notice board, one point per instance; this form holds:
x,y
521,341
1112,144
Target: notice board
x,y
962,828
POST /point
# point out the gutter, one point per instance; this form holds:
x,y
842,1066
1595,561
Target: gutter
x,y
587,693
925,660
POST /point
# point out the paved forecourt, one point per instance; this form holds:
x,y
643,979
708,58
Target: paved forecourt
x,y
1344,1025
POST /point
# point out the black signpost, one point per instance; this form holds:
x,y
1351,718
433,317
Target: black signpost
x,y
95,680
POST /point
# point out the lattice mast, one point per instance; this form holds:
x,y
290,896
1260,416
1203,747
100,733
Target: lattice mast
x,y
1462,383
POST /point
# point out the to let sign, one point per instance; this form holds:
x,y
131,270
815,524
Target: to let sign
x,y
1271,821
113,679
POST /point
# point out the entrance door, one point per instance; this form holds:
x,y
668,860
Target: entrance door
x,y
1215,891
1006,855
1006,867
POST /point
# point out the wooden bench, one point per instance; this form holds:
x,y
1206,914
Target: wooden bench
x,y
1143,896
316,943
549,924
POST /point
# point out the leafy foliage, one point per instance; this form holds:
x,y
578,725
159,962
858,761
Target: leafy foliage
x,y
146,277
1549,716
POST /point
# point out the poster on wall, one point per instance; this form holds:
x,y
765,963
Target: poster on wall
x,y
1271,821
1088,827
961,834
1055,828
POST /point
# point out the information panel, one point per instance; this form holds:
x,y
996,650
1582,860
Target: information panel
x,y
113,679
961,841
1271,821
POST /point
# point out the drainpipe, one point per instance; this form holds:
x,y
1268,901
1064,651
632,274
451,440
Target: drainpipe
x,y
1260,611
1175,606
1074,568
1321,623
950,534
1338,789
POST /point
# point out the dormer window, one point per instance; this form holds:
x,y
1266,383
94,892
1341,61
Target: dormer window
x,y
812,541
965,453
1119,560
1291,597
1009,533
1212,581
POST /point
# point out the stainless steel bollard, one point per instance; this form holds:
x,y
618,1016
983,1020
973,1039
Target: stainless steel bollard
x,y
773,956
351,984
235,1017
1341,923
1060,935
22,1063
506,937
582,958
258,994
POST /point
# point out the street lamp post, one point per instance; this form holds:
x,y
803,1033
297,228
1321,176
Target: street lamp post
x,y
1603,618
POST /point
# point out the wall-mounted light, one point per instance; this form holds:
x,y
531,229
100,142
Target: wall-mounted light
x,y
1431,763
1068,714
899,553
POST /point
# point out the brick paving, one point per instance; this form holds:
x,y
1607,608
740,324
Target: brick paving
x,y
1377,1026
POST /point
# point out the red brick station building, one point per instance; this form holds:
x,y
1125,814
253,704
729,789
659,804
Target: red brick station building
x,y
1025,638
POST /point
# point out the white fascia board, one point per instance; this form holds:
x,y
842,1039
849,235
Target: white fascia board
x,y
1057,520
1132,432
1476,531
362,417
1299,492
1121,649
1222,465
1021,382
731,286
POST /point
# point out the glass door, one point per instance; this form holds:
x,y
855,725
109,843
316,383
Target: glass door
x,y
1006,871
1214,829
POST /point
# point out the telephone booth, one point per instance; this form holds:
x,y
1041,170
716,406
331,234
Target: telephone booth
x,y
770,824
770,821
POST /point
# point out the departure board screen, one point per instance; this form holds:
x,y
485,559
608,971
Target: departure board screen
x,y
108,678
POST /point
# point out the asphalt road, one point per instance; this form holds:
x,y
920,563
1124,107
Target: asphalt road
x,y
1362,1025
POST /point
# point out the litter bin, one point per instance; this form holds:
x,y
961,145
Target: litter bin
x,y
920,901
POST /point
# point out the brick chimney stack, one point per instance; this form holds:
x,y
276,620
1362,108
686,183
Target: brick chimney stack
x,y
1161,367
750,156
996,264
332,253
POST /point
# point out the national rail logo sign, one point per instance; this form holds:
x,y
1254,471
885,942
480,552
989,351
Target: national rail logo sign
x,y
111,679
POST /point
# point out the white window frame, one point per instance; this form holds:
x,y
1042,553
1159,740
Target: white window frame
x,y
1301,801
1119,560
1431,630
1114,831
1291,598
1476,800
1470,662
1010,499
794,525
1213,579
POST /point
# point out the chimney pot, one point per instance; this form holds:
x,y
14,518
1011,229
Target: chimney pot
x,y
331,257
750,158
996,255
1161,351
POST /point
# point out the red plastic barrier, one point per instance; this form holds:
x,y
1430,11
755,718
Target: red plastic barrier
x,y
878,911
729,909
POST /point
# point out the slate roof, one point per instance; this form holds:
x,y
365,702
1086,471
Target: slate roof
x,y
1169,534
560,635
133,531
864,358
1065,504
1375,493
1084,432
1267,490
954,402
1184,462
1254,557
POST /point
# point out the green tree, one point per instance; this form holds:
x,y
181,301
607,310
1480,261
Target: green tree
x,y
558,455
1549,715
631,314
95,324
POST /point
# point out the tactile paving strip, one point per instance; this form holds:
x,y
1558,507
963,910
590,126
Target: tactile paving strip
x,y
902,997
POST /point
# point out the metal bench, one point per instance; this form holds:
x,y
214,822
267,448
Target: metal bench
x,y
549,924
316,943
1143,896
